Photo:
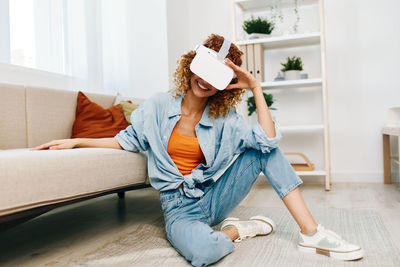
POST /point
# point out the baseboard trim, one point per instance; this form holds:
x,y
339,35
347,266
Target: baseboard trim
x,y
349,177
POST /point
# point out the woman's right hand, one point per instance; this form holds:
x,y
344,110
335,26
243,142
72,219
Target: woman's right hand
x,y
58,144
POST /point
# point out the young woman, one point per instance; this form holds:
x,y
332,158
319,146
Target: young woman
x,y
204,158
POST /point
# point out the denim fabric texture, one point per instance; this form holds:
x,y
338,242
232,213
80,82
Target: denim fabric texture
x,y
221,141
188,221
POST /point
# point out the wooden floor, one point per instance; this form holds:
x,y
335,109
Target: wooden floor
x,y
64,234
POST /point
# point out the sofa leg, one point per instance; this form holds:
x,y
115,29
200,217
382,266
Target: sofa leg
x,y
121,194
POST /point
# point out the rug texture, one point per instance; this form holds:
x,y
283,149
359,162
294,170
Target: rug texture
x,y
148,246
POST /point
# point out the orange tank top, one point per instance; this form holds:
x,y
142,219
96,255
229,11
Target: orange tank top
x,y
185,151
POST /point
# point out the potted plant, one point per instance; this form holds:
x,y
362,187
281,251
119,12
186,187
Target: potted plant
x,y
251,104
258,27
292,68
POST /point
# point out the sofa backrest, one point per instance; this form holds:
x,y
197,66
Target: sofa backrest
x,y
12,116
30,116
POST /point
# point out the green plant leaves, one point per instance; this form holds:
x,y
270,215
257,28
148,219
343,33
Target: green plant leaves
x,y
292,63
258,25
251,104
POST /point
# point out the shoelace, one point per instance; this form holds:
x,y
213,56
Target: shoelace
x,y
244,232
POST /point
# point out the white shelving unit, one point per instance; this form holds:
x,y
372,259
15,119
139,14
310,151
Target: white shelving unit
x,y
252,5
295,40
291,84
302,128
285,41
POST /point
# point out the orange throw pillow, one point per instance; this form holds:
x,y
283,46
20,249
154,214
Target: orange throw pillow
x,y
93,121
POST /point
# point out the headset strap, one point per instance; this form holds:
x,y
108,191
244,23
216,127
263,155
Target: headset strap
x,y
224,50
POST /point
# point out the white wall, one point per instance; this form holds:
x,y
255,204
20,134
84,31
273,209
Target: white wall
x,y
362,62
4,32
363,44
148,44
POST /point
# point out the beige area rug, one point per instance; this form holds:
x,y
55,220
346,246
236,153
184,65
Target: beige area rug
x,y
147,246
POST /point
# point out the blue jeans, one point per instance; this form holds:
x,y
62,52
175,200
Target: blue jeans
x,y
188,221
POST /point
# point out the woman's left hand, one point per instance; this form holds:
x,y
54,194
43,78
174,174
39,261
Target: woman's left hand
x,y
244,79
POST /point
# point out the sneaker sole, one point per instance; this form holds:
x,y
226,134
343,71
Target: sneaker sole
x,y
347,256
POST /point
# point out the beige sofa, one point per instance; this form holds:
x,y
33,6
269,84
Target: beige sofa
x,y
33,182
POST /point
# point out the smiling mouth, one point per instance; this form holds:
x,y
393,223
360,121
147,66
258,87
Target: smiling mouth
x,y
202,86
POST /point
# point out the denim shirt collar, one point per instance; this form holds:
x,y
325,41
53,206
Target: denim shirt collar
x,y
175,110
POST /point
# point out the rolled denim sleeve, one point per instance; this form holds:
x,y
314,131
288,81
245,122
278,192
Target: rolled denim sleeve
x,y
133,138
247,135
265,143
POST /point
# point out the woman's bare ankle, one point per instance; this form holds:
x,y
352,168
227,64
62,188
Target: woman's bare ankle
x,y
309,229
231,232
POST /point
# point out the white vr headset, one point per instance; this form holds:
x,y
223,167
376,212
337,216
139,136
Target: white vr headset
x,y
209,65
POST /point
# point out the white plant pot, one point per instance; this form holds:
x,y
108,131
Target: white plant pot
x,y
292,75
257,35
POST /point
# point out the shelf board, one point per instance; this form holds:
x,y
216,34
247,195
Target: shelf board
x,y
247,5
292,84
307,173
311,173
301,128
285,40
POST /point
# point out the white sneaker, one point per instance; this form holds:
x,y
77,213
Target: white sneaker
x,y
328,243
256,225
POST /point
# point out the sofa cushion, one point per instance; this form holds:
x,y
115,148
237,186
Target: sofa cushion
x,y
31,178
93,121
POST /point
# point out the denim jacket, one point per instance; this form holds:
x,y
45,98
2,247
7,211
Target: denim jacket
x,y
221,141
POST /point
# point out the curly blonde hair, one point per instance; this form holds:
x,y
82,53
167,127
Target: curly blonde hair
x,y
222,101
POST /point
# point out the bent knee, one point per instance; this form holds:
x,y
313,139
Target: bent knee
x,y
212,253
206,249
